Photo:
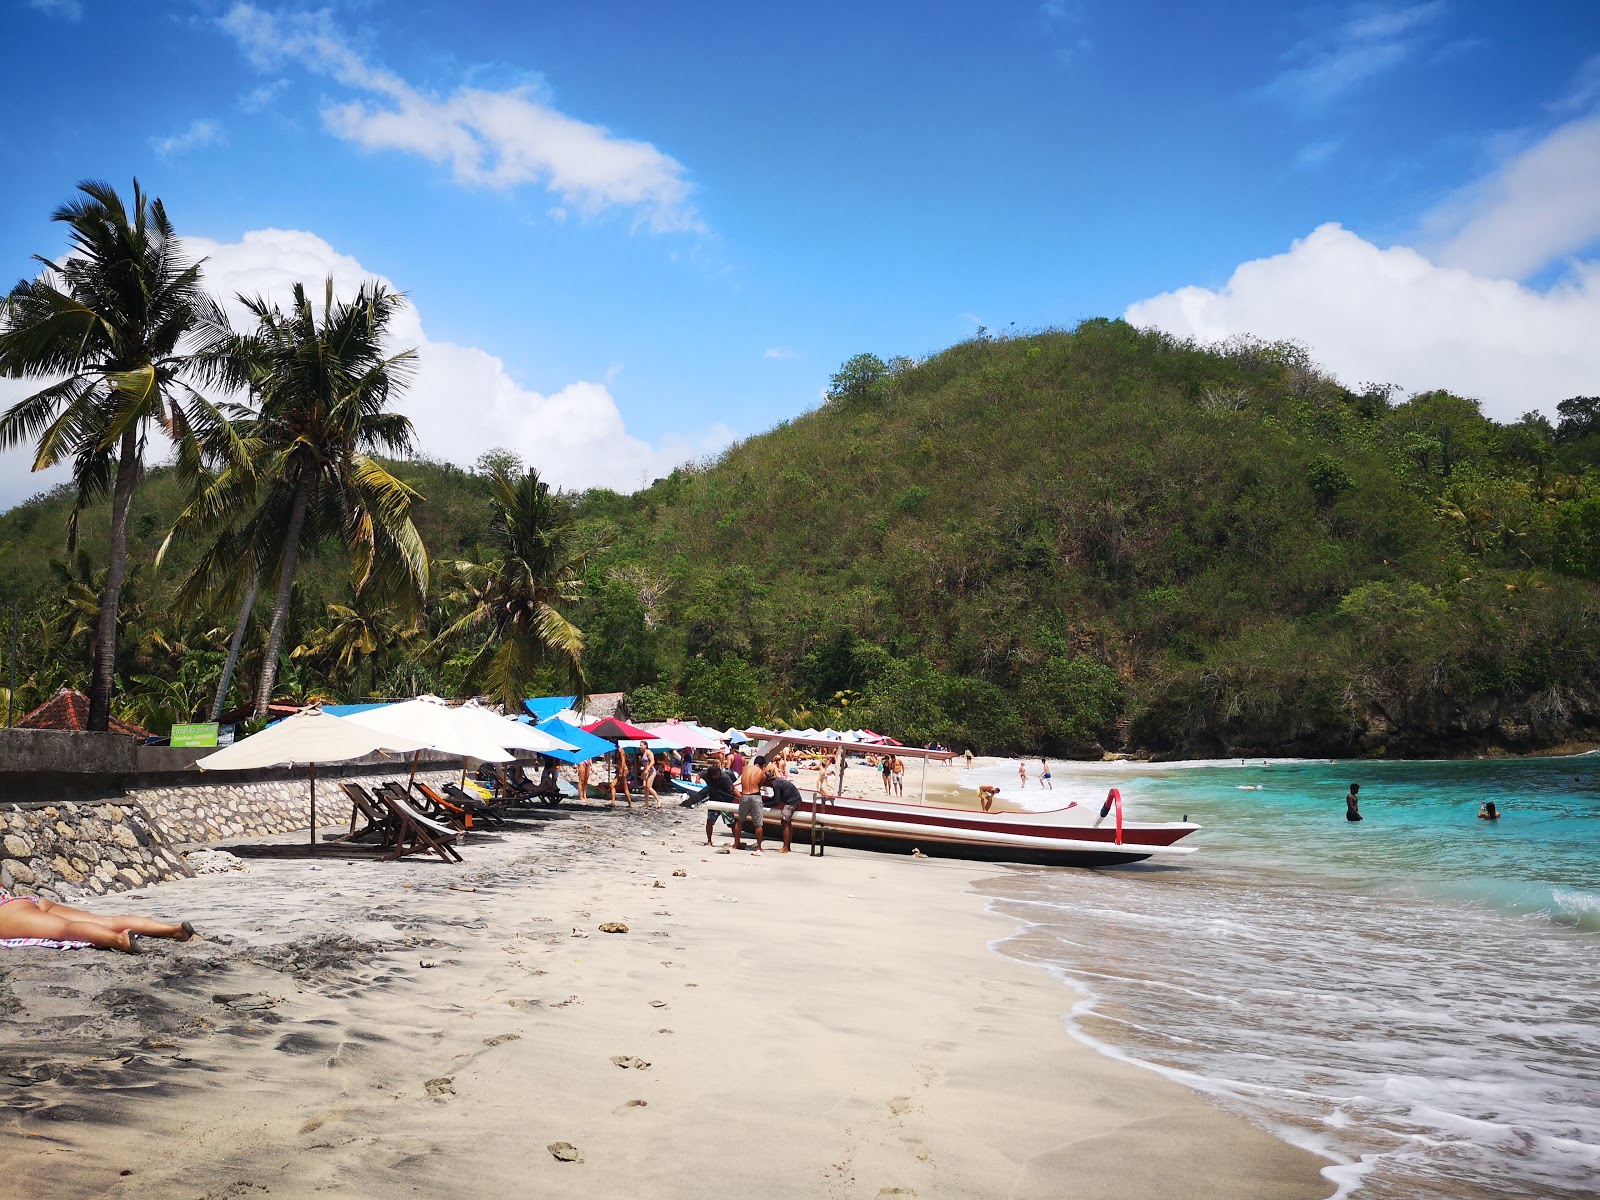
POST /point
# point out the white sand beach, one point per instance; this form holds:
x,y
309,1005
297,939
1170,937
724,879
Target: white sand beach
x,y
789,1025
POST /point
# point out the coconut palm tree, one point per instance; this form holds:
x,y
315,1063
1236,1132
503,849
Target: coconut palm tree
x,y
322,384
116,325
352,636
513,601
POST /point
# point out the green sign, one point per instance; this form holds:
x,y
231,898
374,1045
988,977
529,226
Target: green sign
x,y
194,735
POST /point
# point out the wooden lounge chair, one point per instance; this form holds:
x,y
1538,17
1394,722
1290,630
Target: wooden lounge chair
x,y
416,833
548,786
460,804
379,824
508,790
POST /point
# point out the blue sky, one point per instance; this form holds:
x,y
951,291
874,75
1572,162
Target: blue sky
x,y
633,231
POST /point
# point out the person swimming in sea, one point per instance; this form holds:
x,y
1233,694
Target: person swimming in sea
x,y
1352,804
1488,812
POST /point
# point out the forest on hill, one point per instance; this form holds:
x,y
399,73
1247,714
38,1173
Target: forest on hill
x,y
1067,542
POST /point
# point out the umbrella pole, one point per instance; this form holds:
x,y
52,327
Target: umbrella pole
x,y
924,798
313,806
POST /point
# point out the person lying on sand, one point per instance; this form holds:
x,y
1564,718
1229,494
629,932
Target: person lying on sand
x,y
36,917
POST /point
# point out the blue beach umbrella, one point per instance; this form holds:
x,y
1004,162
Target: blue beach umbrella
x,y
588,746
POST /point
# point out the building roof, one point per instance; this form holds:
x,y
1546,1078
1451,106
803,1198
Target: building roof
x,y
600,705
68,712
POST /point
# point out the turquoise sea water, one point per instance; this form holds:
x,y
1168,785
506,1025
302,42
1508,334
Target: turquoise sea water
x,y
1421,828
1416,996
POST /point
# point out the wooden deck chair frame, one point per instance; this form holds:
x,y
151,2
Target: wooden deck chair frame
x,y
378,819
458,802
415,833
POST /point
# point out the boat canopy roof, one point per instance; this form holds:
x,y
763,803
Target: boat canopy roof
x,y
833,743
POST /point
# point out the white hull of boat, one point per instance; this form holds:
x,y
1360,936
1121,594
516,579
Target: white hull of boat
x,y
1036,837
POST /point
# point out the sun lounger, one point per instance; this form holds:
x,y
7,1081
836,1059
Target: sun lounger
x,y
378,822
416,833
459,802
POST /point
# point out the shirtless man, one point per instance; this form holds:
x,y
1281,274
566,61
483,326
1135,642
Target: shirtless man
x,y
986,795
755,774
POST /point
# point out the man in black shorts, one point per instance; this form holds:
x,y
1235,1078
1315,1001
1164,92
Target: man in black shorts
x,y
721,784
787,797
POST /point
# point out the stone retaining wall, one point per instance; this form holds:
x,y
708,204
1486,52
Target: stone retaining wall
x,y
60,850
208,812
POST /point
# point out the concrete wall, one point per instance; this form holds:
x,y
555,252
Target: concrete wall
x,y
41,765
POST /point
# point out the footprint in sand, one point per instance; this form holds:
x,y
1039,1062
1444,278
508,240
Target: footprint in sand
x,y
502,1038
443,1086
900,1105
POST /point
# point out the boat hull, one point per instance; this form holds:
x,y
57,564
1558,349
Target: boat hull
x,y
993,837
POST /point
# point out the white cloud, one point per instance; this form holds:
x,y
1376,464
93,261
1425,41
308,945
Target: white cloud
x,y
1584,89
1541,204
70,10
463,400
488,138
1393,316
779,352
1368,41
257,99
201,134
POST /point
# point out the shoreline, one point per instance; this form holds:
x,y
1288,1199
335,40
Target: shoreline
x,y
837,1026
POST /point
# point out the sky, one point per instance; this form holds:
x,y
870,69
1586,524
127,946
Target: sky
x,y
630,233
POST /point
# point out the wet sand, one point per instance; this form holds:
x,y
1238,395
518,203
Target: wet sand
x,y
786,1025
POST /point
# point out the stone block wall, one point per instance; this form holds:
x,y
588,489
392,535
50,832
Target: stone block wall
x,y
62,850
211,811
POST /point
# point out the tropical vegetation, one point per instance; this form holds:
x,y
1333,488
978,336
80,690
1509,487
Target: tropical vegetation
x,y
1065,541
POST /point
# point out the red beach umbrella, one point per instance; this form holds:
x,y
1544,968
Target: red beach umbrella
x,y
614,730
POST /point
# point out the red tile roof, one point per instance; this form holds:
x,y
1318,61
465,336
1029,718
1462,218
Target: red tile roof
x,y
68,712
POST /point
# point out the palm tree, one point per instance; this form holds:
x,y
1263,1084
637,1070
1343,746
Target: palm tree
x,y
353,635
514,601
322,385
116,324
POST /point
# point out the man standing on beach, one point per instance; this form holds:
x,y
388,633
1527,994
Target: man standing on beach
x,y
755,774
721,784
787,797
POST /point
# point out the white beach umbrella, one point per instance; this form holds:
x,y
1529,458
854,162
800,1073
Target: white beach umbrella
x,y
309,737
491,727
433,723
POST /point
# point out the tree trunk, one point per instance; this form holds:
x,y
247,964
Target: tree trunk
x,y
233,647
105,638
280,604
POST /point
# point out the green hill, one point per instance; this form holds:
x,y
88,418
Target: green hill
x,y
1069,542
1110,537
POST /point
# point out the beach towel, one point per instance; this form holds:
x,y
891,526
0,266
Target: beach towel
x,y
47,943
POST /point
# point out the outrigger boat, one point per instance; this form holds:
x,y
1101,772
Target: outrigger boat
x,y
1062,837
